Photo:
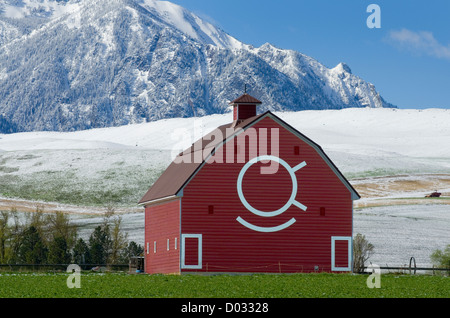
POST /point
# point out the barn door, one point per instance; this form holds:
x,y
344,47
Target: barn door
x,y
191,251
341,254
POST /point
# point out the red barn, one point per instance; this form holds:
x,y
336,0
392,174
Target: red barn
x,y
253,196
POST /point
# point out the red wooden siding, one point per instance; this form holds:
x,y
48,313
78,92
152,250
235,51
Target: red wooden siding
x,y
191,251
341,254
162,225
228,246
242,112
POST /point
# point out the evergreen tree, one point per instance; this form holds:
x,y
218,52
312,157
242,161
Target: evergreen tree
x,y
32,249
100,244
58,252
17,231
4,235
81,253
133,249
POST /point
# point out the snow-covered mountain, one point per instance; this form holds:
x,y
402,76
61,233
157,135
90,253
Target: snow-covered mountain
x,y
76,64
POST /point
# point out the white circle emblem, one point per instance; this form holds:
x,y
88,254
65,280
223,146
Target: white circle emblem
x,y
291,201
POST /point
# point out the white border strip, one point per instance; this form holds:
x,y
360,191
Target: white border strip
x,y
183,251
333,251
158,201
266,229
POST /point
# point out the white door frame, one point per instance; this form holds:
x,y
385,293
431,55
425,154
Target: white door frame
x,y
183,251
334,239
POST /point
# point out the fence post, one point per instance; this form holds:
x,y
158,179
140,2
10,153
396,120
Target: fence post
x,y
415,266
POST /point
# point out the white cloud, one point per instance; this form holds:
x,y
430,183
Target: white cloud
x,y
420,42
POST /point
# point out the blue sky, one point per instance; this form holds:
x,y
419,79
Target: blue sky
x,y
407,59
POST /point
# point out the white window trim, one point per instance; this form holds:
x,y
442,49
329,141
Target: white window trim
x,y
183,251
334,239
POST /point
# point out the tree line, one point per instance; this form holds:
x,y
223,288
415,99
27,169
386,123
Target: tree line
x,y
52,239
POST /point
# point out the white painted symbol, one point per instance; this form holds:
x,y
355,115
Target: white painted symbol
x,y
269,214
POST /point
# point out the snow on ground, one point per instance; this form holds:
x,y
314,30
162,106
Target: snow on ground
x,y
387,154
401,232
390,133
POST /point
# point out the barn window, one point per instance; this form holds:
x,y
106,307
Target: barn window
x,y
168,244
176,243
296,150
154,247
322,211
211,209
148,248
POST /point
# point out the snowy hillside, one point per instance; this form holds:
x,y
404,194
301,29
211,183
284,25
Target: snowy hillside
x,y
366,131
81,64
364,143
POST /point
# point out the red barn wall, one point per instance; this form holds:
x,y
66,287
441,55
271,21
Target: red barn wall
x,y
228,246
162,225
244,111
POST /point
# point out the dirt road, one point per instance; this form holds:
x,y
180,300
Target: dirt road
x,y
402,190
34,206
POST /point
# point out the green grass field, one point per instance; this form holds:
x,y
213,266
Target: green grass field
x,y
121,285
